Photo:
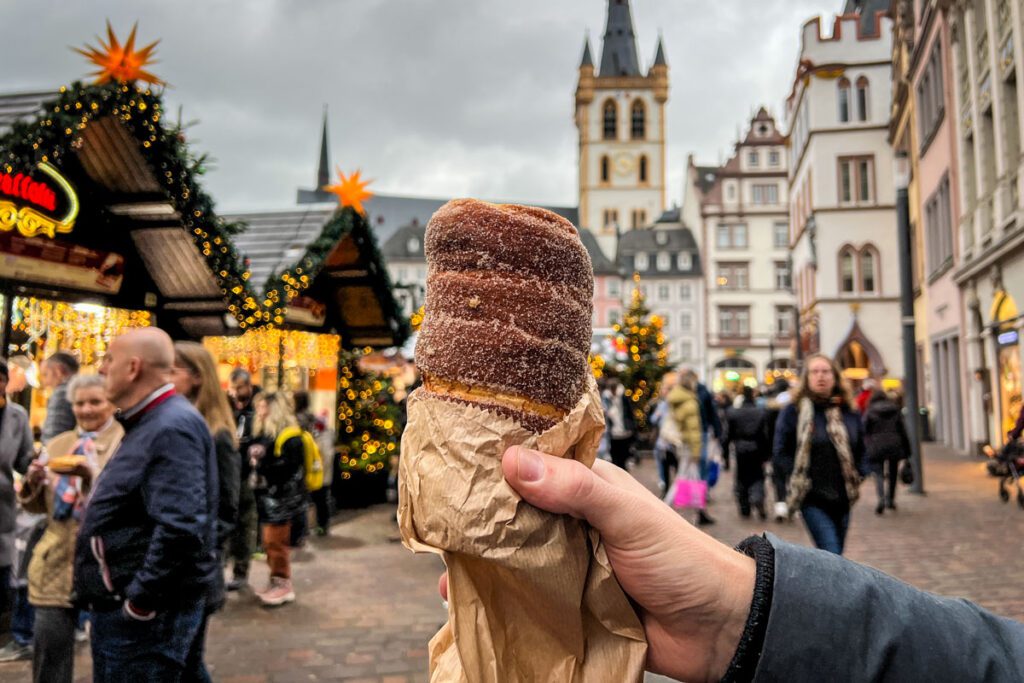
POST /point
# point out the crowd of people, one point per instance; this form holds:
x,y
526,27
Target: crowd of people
x,y
814,443
150,480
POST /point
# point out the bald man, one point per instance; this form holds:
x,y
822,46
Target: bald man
x,y
145,562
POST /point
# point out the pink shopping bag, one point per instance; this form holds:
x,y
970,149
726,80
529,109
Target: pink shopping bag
x,y
691,493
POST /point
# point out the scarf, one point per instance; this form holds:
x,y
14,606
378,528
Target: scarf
x,y
800,481
67,499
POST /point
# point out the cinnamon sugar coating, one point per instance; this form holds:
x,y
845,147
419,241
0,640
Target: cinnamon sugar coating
x,y
509,304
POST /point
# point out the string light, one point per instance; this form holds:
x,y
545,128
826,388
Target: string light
x,y
368,417
85,331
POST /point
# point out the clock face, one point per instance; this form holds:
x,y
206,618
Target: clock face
x,y
624,163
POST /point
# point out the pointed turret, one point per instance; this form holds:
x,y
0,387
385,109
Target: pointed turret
x,y
659,56
323,173
618,54
588,60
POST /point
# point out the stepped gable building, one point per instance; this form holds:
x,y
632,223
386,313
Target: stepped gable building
x,y
743,217
841,194
620,115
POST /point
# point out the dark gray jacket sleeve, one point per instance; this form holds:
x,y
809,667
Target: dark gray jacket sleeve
x,y
836,620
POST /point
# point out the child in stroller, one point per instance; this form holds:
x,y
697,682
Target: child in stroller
x,y
1007,465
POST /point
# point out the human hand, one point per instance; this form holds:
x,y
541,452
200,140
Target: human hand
x,y
36,473
693,593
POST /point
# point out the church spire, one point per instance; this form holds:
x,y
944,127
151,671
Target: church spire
x,y
659,57
618,55
323,174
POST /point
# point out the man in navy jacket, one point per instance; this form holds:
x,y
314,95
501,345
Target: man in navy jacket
x,y
145,559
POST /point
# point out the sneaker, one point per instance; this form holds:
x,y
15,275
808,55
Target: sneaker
x,y
259,556
15,652
880,508
781,511
279,593
237,583
703,519
81,635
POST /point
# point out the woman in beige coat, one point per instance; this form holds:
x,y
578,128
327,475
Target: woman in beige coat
x,y
62,497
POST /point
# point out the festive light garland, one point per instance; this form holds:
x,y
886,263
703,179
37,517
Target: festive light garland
x,y
82,330
271,347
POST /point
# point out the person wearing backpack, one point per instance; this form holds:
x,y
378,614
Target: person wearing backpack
x,y
279,455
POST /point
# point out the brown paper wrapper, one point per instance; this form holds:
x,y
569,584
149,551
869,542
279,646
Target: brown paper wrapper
x,y
532,596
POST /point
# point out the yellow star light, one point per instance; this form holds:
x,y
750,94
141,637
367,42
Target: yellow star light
x,y
120,63
351,190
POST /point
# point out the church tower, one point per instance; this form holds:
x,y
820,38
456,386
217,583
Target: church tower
x,y
620,114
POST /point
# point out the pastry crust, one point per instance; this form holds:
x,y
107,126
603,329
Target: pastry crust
x,y
64,464
508,311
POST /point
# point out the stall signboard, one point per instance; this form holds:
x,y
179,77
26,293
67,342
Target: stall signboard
x,y
59,264
39,203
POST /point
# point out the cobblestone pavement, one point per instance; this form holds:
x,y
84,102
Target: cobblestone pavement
x,y
367,607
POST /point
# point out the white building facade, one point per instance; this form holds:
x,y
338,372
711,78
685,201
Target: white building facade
x,y
749,306
843,231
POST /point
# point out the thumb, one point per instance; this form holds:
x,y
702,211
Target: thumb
x,y
568,487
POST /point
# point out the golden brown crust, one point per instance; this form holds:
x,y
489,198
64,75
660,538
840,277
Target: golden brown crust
x,y
508,310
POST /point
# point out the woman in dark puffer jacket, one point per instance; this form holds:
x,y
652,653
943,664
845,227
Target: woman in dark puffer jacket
x,y
886,444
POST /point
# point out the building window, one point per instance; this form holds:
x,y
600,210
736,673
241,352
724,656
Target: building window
x,y
400,275
734,321
664,261
611,218
611,116
753,158
765,194
666,322
638,120
931,102
684,260
606,173
641,262
868,274
844,100
733,276
686,349
662,292
614,288
643,168
773,158
613,317
856,180
780,235
685,292
643,291
784,321
862,99
847,271
938,228
783,279
731,236
685,322
730,191
639,218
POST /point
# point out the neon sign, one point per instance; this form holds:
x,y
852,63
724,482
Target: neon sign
x,y
37,205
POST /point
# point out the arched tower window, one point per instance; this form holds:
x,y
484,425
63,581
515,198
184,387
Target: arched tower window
x,y
643,168
606,173
611,119
869,270
639,120
862,98
844,100
847,271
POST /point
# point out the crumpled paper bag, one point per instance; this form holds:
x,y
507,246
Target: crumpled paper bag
x,y
532,596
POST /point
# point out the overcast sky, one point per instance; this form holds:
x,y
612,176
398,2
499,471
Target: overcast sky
x,y
433,98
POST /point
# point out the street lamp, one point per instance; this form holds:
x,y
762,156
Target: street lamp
x,y
901,175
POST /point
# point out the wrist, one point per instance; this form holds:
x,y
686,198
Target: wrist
x,y
738,579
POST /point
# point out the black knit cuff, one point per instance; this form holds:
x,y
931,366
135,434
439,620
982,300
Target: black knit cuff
x,y
744,663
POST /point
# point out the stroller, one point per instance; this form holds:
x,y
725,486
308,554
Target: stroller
x,y
1007,465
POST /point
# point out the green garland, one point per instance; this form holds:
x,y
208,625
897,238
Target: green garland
x,y
369,419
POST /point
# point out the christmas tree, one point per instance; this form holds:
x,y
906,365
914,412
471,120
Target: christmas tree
x,y
642,342
369,419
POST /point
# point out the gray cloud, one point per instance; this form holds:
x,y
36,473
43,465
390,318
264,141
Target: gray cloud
x,y
428,97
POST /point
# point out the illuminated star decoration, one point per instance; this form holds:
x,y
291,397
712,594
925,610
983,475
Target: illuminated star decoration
x,y
120,63
351,190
